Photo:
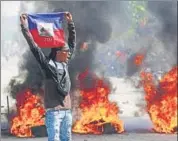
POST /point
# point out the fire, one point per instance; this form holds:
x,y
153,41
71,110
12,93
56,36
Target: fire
x,y
29,113
138,59
162,101
96,108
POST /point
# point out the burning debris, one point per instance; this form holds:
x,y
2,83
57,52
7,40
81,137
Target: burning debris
x,y
138,59
30,113
97,112
162,101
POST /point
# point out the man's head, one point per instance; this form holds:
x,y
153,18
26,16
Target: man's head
x,y
60,54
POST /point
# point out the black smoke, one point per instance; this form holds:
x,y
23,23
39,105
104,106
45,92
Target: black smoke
x,y
166,12
165,31
92,25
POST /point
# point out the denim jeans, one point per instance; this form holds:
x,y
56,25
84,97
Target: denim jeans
x,y
59,125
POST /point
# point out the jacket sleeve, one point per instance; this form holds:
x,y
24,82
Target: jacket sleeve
x,y
72,37
37,52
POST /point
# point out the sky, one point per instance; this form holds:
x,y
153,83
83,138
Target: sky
x,y
9,15
11,51
10,8
9,47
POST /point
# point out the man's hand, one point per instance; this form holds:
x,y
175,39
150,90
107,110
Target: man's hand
x,y
23,19
68,17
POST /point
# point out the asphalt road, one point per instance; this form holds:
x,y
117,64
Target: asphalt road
x,y
136,129
106,137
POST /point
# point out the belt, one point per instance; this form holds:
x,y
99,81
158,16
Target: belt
x,y
57,109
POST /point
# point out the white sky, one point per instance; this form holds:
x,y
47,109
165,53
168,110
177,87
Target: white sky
x,y
10,8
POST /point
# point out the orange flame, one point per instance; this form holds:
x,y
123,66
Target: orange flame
x,y
162,101
138,59
29,113
96,109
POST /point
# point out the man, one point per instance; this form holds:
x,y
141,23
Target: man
x,y
57,100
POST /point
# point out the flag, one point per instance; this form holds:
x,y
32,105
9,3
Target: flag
x,y
47,30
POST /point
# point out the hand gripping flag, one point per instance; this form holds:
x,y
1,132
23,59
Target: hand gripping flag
x,y
47,30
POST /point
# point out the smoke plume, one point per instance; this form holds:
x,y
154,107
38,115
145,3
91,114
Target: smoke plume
x,y
166,14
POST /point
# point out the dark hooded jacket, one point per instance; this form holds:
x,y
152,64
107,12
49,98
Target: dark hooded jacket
x,y
57,82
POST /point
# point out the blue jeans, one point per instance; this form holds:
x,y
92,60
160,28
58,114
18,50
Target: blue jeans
x,y
59,125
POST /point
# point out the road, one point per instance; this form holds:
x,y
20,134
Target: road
x,y
107,137
136,129
132,136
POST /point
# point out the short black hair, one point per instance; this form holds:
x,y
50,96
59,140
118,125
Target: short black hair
x,y
53,52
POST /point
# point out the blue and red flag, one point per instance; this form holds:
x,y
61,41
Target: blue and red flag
x,y
47,30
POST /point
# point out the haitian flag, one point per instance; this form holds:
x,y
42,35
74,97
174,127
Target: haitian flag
x,y
47,30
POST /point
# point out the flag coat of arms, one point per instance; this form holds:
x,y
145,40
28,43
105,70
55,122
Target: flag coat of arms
x,y
47,30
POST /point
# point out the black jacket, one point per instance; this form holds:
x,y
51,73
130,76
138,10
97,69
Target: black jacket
x,y
52,69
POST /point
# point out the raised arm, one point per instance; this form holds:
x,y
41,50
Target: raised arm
x,y
37,52
72,32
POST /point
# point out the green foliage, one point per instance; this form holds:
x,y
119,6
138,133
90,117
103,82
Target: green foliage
x,y
138,11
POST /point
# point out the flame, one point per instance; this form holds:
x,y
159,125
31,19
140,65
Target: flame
x,y
29,113
96,109
138,59
162,101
